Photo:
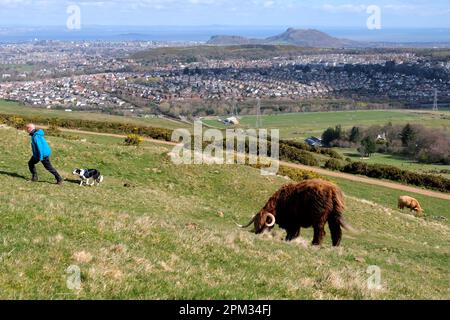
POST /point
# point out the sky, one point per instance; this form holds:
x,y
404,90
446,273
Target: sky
x,y
295,13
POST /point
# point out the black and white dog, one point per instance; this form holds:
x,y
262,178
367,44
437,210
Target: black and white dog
x,y
87,174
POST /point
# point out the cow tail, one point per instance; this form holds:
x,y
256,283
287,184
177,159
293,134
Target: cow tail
x,y
339,209
345,225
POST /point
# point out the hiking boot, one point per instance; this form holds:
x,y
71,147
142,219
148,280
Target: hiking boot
x,y
34,178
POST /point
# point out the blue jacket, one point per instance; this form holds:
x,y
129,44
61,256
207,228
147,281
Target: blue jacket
x,y
39,145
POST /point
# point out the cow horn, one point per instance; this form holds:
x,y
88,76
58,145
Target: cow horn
x,y
247,225
272,219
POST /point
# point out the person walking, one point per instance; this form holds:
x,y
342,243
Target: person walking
x,y
41,153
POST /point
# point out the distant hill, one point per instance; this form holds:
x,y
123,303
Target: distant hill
x,y
221,52
230,40
296,37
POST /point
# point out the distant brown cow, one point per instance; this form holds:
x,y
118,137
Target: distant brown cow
x,y
410,203
309,203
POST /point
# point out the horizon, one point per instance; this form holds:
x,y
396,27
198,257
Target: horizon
x,y
202,33
318,27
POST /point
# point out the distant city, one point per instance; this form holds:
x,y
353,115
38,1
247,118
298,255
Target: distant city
x,y
185,73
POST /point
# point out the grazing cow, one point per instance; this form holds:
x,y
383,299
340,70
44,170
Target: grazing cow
x,y
309,203
410,203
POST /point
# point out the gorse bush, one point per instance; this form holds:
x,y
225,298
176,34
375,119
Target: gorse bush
x,y
334,164
134,140
303,146
53,131
89,125
395,174
298,156
16,122
298,174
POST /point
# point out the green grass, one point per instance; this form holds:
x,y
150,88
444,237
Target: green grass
x,y
396,161
8,107
298,126
434,209
164,237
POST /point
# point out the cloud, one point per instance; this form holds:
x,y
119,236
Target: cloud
x,y
347,8
14,3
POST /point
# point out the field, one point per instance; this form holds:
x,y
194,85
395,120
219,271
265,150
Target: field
x,y
302,125
298,126
7,107
170,233
396,161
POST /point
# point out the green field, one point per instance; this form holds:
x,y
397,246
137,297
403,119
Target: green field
x,y
302,125
396,161
170,234
7,107
298,126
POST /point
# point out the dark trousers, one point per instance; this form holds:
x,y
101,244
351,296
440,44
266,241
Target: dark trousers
x,y
47,165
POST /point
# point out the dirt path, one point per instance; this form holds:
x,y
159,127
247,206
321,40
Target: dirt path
x,y
113,135
346,176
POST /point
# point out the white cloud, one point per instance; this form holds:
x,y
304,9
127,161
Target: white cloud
x,y
352,8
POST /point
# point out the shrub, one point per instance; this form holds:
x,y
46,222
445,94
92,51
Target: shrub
x,y
334,164
16,122
332,153
53,131
298,174
133,140
395,174
356,168
305,147
88,125
295,155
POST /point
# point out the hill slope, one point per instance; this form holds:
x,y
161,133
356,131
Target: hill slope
x,y
165,237
296,37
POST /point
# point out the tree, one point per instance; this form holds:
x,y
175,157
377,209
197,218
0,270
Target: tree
x,y
331,135
368,146
408,135
328,136
355,135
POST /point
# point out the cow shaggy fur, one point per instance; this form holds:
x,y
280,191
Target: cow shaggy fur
x,y
410,203
311,203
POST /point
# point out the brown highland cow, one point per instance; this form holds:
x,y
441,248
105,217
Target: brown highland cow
x,y
410,203
311,203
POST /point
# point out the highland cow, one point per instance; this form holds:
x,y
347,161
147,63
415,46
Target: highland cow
x,y
311,203
410,203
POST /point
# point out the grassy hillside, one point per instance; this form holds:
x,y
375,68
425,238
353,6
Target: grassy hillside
x,y
170,234
14,108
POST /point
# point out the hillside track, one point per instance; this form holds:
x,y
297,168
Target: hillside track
x,y
324,172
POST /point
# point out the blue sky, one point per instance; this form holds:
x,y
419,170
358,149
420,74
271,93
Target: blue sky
x,y
299,13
